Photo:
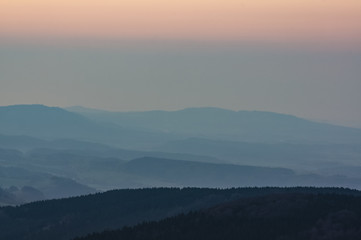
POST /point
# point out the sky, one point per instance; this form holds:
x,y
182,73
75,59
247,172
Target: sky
x,y
300,57
318,21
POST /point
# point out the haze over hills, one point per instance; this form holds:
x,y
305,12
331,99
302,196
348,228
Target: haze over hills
x,y
104,173
303,156
99,150
222,124
48,153
42,121
43,184
30,145
178,173
178,164
156,127
54,123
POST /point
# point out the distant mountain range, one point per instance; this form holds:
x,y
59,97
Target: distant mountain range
x,y
78,150
303,156
109,172
221,124
178,173
54,153
144,130
53,123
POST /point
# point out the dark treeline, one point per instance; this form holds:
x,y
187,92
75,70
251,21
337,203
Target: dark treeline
x,y
281,216
67,218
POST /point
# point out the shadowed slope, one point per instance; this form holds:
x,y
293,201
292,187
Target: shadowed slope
x,y
282,216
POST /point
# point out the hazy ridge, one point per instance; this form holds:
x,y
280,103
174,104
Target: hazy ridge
x,y
203,147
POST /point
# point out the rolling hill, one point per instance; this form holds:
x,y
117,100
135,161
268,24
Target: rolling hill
x,y
191,147
221,124
66,218
177,173
50,186
279,216
53,123
289,155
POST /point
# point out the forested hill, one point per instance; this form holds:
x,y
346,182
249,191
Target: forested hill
x,y
65,219
282,216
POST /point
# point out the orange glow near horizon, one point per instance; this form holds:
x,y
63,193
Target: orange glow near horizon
x,y
314,21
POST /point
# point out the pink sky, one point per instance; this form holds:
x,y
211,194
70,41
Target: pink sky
x,y
326,22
